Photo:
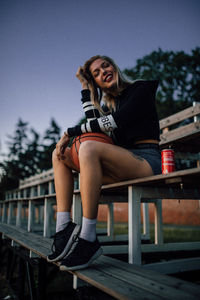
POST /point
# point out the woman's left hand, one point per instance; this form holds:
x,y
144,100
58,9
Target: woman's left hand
x,y
81,77
61,145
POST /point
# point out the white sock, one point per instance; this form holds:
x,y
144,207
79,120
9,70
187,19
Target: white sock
x,y
88,230
62,219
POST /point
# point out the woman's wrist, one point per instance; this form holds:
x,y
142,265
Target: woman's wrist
x,y
66,133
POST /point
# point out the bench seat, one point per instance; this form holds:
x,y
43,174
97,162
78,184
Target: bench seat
x,y
114,277
182,184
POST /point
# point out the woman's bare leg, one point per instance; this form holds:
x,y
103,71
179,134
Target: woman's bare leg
x,y
99,163
64,184
103,163
90,181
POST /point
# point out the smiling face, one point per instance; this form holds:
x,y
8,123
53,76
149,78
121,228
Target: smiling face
x,y
104,74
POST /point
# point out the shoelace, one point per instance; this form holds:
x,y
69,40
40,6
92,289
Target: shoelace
x,y
75,240
74,249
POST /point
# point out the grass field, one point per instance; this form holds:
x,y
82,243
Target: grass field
x,y
171,233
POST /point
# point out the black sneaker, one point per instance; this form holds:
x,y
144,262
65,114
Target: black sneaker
x,y
63,241
82,254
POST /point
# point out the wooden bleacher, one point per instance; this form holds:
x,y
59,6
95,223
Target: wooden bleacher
x,y
37,193
118,279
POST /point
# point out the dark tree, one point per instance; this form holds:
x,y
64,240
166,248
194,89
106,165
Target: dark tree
x,y
51,137
28,155
11,168
17,143
31,158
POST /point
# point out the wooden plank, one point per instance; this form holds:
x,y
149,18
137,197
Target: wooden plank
x,y
35,198
166,247
14,231
183,133
180,116
154,248
28,240
147,281
155,179
117,249
174,180
117,288
154,276
116,198
114,238
150,193
168,193
119,237
43,177
175,266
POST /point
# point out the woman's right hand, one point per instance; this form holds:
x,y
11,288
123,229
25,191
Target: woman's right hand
x,y
63,152
61,145
81,77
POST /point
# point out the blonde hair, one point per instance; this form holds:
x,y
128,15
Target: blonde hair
x,y
96,92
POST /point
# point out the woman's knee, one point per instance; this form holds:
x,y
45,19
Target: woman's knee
x,y
55,158
65,155
88,150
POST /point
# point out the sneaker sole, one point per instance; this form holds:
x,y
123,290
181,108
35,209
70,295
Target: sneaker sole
x,y
74,268
67,248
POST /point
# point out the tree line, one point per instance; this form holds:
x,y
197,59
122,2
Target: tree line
x,y
179,85
29,153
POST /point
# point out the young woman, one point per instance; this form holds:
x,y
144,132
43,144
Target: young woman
x,y
129,116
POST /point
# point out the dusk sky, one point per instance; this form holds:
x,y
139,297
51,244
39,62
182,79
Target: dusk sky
x,y
42,43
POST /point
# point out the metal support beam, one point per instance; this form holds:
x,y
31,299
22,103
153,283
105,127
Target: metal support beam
x,y
110,220
158,222
146,230
134,224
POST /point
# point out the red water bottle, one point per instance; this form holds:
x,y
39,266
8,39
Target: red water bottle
x,y
168,162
